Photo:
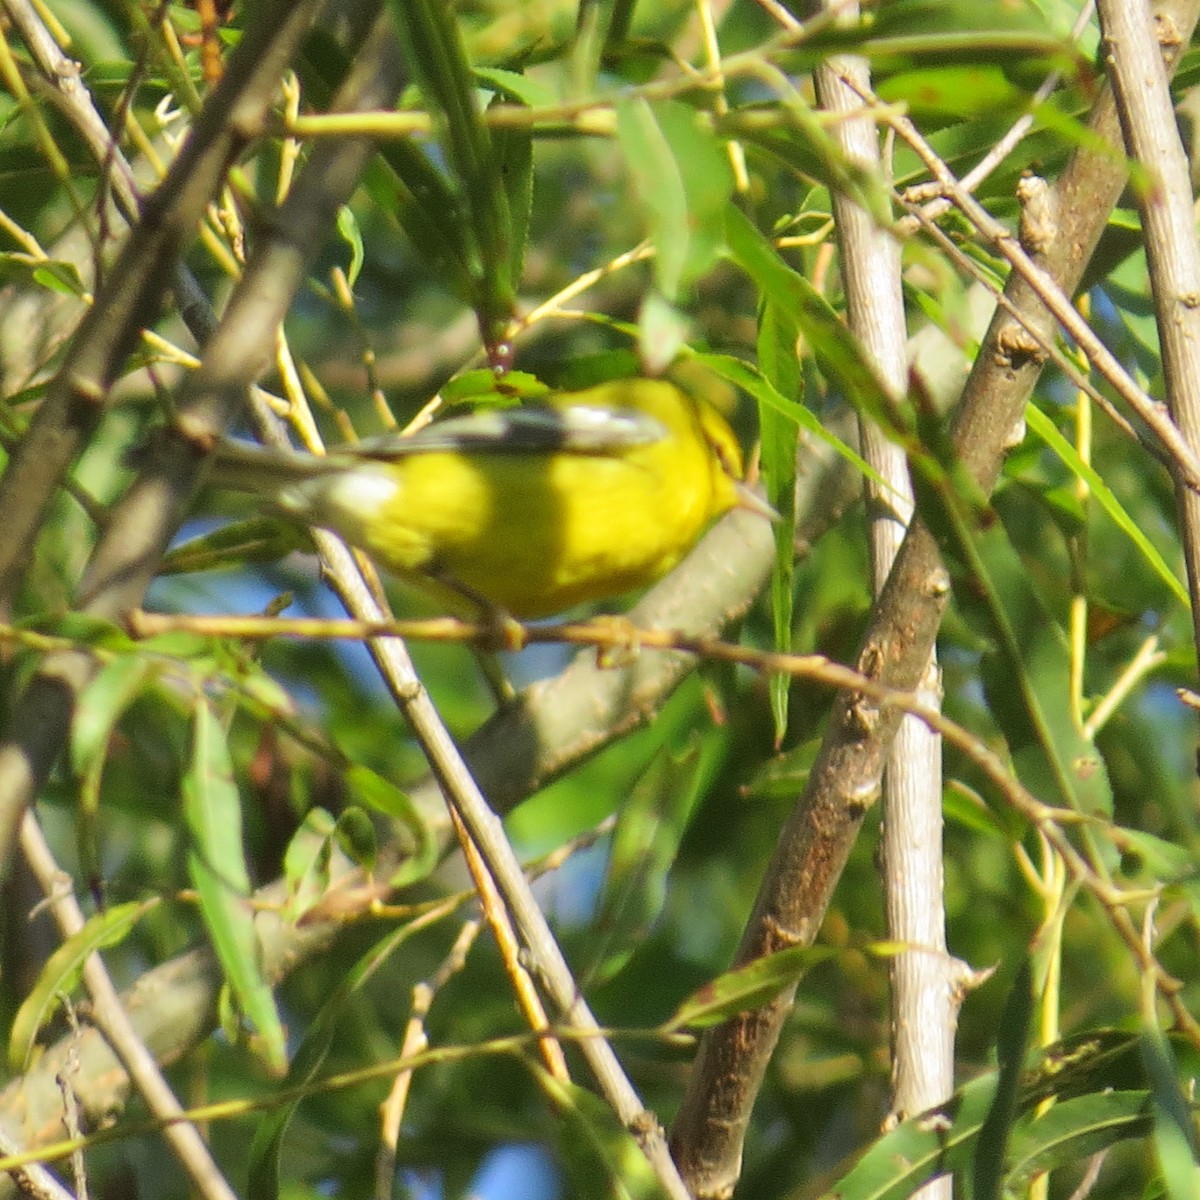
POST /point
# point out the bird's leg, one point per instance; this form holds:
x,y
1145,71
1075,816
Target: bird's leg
x,y
499,631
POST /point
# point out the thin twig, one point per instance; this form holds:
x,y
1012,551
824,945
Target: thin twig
x,y
110,1017
510,954
1133,50
33,1179
392,1109
617,636
925,997
76,398
1048,291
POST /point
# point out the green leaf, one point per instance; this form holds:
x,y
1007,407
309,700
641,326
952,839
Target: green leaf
x,y
349,232
306,863
644,845
106,697
431,213
658,188
987,1168
217,866
372,789
356,836
438,59
702,159
682,181
1041,424
945,1140
257,540
262,1166
62,972
513,148
1175,1136
515,86
920,1149
1072,1131
601,1159
94,632
780,365
754,383
1027,676
962,91
746,988
1163,861
837,351
482,387
60,277
101,706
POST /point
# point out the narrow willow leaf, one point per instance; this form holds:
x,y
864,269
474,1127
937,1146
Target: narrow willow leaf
x,y
645,843
108,695
87,630
1175,1137
780,439
307,863
257,540
947,1140
62,972
513,150
702,159
920,1149
372,789
754,383
1072,1131
658,186
600,1156
683,183
1027,676
746,987
217,866
1041,424
836,349
516,86
262,1166
439,61
101,706
987,1167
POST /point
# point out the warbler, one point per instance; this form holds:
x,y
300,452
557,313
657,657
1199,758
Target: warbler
x,y
531,509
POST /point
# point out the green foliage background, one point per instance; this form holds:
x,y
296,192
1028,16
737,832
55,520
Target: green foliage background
x,y
259,751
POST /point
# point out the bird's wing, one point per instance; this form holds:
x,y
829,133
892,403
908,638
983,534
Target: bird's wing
x,y
524,429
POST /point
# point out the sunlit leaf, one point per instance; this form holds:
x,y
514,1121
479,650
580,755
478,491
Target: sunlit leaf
x,y
62,972
217,865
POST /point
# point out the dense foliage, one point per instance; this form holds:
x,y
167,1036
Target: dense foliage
x,y
579,190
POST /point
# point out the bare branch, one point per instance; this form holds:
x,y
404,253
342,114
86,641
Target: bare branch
x,y
926,991
1133,43
143,522
111,1019
844,781
130,298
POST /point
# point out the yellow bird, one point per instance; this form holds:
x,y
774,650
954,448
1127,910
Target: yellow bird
x,y
531,509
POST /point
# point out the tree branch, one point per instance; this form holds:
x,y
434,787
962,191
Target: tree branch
x,y
1134,57
844,781
78,395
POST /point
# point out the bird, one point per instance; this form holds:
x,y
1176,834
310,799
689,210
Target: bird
x,y
527,510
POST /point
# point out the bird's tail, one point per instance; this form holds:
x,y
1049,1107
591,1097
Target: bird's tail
x,y
265,471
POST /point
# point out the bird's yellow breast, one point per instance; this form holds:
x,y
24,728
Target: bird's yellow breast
x,y
596,493
536,534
